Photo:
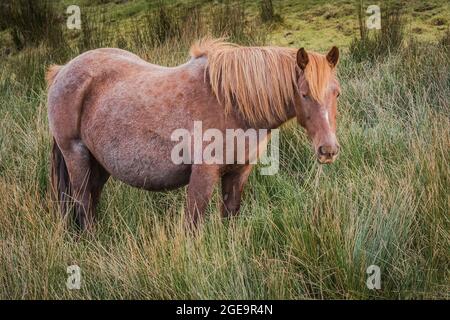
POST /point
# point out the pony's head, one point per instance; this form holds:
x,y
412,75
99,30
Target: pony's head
x,y
263,83
316,103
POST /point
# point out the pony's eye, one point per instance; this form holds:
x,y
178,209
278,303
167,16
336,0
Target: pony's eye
x,y
304,96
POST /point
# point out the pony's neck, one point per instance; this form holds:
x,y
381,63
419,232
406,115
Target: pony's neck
x,y
275,123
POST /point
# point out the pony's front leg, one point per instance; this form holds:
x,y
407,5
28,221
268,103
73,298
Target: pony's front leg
x,y
233,183
201,186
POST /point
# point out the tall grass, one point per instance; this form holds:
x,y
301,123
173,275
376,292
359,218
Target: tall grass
x,y
267,11
31,22
95,32
310,231
163,23
161,28
375,44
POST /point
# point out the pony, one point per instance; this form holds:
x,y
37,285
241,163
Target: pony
x,y
112,114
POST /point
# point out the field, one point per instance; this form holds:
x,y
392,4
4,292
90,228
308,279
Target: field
x,y
308,232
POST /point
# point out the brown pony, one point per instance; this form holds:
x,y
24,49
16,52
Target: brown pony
x,y
112,113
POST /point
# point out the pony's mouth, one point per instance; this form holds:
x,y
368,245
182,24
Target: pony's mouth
x,y
322,159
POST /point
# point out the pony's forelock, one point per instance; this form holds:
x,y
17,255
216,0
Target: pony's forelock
x,y
318,73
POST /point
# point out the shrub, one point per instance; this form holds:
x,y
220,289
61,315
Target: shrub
x,y
445,40
228,19
165,22
95,32
31,22
382,42
267,11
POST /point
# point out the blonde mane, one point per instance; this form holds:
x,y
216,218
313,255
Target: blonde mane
x,y
259,81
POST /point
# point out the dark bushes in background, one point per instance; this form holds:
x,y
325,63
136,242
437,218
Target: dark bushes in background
x,y
95,32
228,19
163,22
267,11
185,23
445,40
31,22
41,36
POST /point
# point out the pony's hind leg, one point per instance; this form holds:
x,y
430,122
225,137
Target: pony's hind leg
x,y
98,178
87,178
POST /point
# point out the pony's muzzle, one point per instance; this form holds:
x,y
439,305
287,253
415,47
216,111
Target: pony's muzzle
x,y
327,153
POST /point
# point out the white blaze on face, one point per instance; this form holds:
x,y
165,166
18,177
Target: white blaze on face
x,y
325,114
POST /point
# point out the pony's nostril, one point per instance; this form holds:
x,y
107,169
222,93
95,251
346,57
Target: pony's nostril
x,y
324,151
321,151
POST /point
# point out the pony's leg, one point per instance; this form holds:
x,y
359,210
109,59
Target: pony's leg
x,y
232,185
98,178
87,178
201,186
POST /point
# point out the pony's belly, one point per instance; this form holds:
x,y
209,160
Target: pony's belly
x,y
154,178
142,161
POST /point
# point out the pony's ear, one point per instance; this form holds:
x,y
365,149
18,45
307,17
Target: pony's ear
x,y
333,57
302,58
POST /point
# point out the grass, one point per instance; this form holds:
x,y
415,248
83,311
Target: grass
x,y
312,24
310,231
31,22
317,24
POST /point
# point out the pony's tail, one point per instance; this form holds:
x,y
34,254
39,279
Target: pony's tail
x,y
60,181
51,73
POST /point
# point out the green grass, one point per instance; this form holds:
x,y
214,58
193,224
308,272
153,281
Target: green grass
x,y
319,24
310,231
315,25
